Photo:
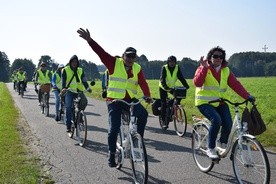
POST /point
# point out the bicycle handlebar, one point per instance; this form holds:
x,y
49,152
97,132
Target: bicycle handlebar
x,y
129,104
232,103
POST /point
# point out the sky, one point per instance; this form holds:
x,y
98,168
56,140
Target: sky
x,y
156,28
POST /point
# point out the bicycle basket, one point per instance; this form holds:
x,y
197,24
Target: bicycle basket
x,y
180,92
156,106
45,88
83,101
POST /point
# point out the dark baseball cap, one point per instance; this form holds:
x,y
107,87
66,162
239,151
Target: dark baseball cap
x,y
130,50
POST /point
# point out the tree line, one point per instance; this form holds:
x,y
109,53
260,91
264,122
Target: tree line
x,y
244,64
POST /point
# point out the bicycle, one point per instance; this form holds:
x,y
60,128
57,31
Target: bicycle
x,y
130,144
61,110
249,159
79,121
21,88
45,92
175,112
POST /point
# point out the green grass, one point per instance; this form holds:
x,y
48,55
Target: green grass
x,y
262,88
17,165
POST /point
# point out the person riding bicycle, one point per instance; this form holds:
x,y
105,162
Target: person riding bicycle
x,y
14,78
56,87
43,76
125,75
105,83
170,72
73,81
21,78
211,80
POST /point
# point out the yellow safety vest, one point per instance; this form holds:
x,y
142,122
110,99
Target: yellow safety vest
x,y
119,83
74,85
211,88
20,77
58,80
170,78
43,79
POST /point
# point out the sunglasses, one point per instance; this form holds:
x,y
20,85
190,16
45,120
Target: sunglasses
x,y
43,65
131,56
218,56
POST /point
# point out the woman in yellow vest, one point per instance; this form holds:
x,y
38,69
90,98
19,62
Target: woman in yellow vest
x,y
56,83
43,76
169,75
211,80
74,80
125,76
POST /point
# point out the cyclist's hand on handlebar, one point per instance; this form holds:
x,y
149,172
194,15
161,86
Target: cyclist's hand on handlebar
x,y
89,90
251,98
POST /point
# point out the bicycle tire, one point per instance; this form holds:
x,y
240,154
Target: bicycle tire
x,y
81,128
21,90
164,128
254,168
46,100
138,159
180,120
200,146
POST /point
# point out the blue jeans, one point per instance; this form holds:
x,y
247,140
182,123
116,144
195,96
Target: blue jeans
x,y
57,99
114,119
69,96
219,116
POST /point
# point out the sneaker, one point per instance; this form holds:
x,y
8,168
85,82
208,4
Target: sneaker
x,y
211,153
68,130
57,118
39,104
111,160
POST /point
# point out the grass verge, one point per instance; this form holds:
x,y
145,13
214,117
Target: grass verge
x,y
19,164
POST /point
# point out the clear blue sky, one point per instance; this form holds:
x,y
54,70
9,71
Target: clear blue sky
x,y
156,28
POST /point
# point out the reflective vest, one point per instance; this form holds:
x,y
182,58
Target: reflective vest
x,y
211,88
119,83
170,78
43,79
74,85
58,80
21,76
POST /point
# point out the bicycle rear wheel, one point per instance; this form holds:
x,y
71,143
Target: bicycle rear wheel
x,y
46,100
250,162
180,120
81,129
199,146
139,159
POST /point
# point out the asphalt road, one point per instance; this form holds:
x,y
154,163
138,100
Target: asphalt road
x,y
170,157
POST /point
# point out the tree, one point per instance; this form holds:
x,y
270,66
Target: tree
x,y
4,67
27,66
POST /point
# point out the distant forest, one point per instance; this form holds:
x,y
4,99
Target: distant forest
x,y
244,64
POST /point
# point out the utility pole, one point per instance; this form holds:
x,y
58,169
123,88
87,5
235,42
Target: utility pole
x,y
265,47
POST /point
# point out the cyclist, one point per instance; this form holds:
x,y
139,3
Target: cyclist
x,y
14,78
43,76
56,83
170,72
21,78
74,80
104,83
33,79
124,77
211,80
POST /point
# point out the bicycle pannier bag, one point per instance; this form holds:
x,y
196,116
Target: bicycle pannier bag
x,y
180,93
156,106
258,123
83,102
246,117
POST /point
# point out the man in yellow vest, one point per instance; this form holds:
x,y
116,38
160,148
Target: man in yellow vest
x,y
211,80
43,76
56,88
73,81
169,75
125,76
21,78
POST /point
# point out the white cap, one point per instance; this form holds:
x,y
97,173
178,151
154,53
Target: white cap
x,y
60,66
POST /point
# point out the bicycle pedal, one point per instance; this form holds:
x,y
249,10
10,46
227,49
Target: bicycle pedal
x,y
216,160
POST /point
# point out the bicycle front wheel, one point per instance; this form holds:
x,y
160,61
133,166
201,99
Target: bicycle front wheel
x,y
139,159
180,120
200,146
81,129
250,162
